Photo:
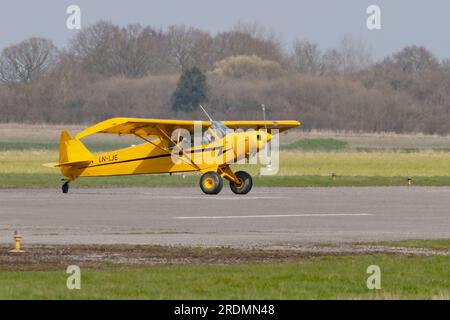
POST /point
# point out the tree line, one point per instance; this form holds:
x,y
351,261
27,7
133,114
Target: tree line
x,y
139,71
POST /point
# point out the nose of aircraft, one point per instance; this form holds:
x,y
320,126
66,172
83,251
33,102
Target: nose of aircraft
x,y
262,138
254,141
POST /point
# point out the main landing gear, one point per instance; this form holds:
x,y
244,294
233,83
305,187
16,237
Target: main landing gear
x,y
246,183
212,183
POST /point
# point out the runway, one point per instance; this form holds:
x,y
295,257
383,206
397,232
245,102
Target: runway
x,y
265,217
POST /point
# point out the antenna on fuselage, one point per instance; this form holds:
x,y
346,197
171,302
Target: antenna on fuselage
x,y
269,164
263,107
206,113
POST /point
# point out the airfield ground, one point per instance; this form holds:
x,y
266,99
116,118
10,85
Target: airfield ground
x,y
153,272
139,237
226,247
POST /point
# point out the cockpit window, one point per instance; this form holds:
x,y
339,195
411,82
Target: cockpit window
x,y
208,137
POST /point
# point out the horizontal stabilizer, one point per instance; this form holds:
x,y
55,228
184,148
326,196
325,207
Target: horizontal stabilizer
x,y
73,164
51,165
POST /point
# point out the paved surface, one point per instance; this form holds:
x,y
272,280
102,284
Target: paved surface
x,y
265,217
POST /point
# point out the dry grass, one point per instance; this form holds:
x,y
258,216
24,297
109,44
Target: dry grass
x,y
382,140
30,161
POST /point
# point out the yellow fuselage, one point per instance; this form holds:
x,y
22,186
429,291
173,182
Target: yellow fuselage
x,y
159,156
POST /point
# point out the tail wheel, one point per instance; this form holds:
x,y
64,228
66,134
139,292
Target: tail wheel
x,y
211,183
246,183
65,187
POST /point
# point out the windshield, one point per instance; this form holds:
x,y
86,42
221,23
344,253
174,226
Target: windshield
x,y
219,129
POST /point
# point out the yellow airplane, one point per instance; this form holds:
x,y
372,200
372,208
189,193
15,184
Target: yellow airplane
x,y
167,150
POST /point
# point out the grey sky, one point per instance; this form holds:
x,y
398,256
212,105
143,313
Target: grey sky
x,y
404,22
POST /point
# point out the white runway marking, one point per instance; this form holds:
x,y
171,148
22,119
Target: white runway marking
x,y
279,216
202,198
213,198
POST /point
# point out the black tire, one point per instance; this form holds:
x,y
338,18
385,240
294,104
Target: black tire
x,y
245,186
211,183
65,187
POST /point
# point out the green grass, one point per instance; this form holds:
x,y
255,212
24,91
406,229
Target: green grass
x,y
296,168
328,144
319,278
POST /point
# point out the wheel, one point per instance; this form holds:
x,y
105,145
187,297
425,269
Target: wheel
x,y
211,183
65,187
246,184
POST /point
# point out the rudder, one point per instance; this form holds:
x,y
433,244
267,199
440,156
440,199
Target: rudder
x,y
72,150
63,154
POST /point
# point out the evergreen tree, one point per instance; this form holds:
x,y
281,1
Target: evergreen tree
x,y
191,90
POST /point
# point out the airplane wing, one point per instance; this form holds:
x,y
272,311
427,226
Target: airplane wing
x,y
149,127
141,127
270,125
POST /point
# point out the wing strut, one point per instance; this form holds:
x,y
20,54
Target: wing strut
x,y
183,155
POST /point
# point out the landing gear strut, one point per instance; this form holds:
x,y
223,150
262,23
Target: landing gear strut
x,y
65,187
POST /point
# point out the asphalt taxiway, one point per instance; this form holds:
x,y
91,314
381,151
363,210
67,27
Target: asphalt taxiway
x,y
264,217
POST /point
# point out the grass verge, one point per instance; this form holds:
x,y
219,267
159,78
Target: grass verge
x,y
48,180
53,180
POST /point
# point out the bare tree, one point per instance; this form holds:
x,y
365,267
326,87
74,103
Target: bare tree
x,y
331,62
445,64
94,47
415,59
306,57
350,56
138,51
131,51
248,67
355,55
258,31
27,60
235,43
189,47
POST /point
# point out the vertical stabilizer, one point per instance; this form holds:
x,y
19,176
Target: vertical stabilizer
x,y
72,150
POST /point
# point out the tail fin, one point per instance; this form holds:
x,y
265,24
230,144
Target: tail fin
x,y
72,151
